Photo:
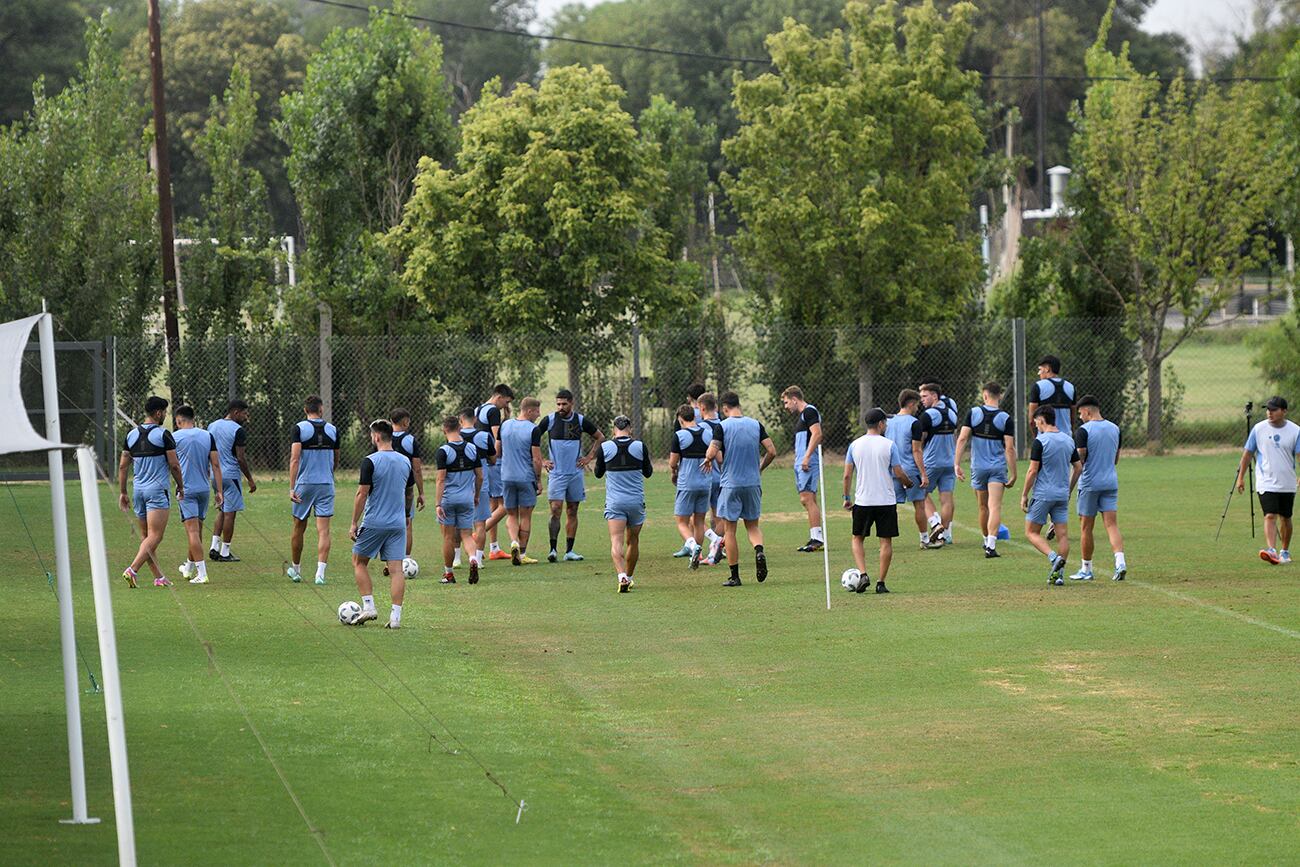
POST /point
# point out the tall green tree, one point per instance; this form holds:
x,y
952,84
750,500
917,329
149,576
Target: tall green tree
x,y
1176,184
373,105
39,39
853,173
545,225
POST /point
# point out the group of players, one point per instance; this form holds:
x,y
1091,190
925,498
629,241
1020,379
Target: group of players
x,y
489,469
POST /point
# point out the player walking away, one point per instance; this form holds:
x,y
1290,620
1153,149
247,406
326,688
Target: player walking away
x,y
488,417
693,394
907,431
627,462
379,521
713,532
196,452
736,443
991,434
313,457
564,488
879,468
150,452
1273,444
685,461
939,420
485,445
1051,390
460,485
1053,471
232,441
521,477
1098,443
807,463
406,445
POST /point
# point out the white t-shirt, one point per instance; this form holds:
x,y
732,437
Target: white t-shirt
x,y
873,456
1275,449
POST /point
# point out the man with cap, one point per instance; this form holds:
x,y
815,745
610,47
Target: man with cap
x,y
1273,445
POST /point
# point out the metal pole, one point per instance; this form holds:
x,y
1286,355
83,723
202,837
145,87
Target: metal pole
x,y
162,165
826,539
1042,112
63,576
326,360
636,380
1019,386
108,659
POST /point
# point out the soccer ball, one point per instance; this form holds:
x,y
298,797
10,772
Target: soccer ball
x,y
349,612
851,579
410,568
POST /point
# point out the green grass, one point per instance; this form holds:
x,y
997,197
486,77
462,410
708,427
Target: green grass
x,y
975,715
1220,376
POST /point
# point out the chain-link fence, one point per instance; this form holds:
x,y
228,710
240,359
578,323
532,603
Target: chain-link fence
x,y
646,374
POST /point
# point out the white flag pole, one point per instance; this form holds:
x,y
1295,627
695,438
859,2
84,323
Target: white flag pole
x,y
826,554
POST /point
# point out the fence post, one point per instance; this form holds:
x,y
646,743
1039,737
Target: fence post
x,y
636,380
232,381
326,360
97,388
112,394
1019,386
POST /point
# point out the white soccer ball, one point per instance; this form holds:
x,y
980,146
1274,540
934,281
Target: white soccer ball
x,y
410,568
851,579
349,612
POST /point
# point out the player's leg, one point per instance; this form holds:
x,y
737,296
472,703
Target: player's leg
x,y
1062,537
525,530
227,532
886,557
685,528
363,549
982,509
633,551
729,541
322,546
1284,528
947,507
1087,542
996,491
296,535
1034,536
472,550
512,530
391,550
755,532
571,528
218,528
557,507
808,499
449,544
1110,520
858,545
922,521
410,537
617,532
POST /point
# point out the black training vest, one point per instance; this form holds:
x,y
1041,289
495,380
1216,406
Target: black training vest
x,y
462,462
623,460
143,448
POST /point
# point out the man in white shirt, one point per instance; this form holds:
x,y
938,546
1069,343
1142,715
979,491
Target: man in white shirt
x,y
876,460
1273,444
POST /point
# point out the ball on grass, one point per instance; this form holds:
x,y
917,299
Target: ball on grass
x,y
349,612
410,568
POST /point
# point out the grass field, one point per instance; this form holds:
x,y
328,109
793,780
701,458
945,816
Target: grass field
x,y
975,715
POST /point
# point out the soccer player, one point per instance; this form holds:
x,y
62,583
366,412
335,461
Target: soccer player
x,y
693,393
1053,472
875,457
940,422
521,477
379,521
627,461
196,452
685,461
485,445
1273,445
708,403
488,418
460,485
907,431
807,464
313,456
991,434
736,444
1098,443
406,445
150,452
564,489
232,438
1051,390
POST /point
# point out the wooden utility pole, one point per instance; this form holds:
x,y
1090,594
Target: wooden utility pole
x,y
164,178
1042,109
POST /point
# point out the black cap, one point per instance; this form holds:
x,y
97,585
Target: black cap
x,y
1276,402
874,416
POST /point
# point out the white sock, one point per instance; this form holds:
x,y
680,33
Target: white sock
x,y
203,568
297,568
216,543
396,616
710,535
923,536
991,541
934,520
225,549
622,576
477,559
368,603
1119,560
1051,557
493,548
947,535
320,570
816,534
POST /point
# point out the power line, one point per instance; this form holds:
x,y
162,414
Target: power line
x,y
733,59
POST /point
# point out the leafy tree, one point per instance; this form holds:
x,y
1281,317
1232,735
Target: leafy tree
x,y
854,167
374,103
544,227
1174,184
39,39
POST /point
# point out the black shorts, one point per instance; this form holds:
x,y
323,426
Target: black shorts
x,y
885,519
1277,503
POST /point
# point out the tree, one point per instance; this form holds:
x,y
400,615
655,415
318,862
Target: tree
x,y
39,39
853,173
374,103
544,226
1176,183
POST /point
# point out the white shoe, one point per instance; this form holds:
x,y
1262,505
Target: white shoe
x,y
455,561
1081,576
295,575
366,614
320,580
1283,556
186,570
392,624
199,579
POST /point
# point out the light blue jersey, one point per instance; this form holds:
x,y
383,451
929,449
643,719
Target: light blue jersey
x,y
389,475
740,439
320,442
149,445
625,465
1055,453
228,434
988,427
1275,449
1057,393
803,433
459,459
1103,441
194,447
903,430
940,423
516,460
564,438
691,443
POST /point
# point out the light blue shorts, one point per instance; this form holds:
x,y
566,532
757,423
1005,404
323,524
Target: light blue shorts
x,y
195,505
460,515
519,495
633,515
315,497
914,494
806,481
568,488
1041,510
232,495
150,501
691,503
483,510
492,484
942,479
979,479
741,504
388,544
1092,502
